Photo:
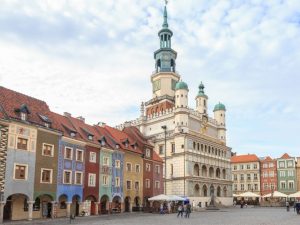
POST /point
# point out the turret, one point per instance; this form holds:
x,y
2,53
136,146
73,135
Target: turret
x,y
219,115
201,100
181,107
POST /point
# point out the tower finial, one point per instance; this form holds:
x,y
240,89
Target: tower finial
x,y
165,24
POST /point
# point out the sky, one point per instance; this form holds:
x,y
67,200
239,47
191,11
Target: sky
x,y
94,58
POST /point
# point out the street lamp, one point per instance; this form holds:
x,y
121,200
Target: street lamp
x,y
165,131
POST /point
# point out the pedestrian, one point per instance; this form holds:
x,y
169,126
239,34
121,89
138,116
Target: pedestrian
x,y
287,206
161,211
188,210
180,211
184,210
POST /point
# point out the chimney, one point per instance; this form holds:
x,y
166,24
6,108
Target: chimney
x,y
81,118
101,124
127,124
67,114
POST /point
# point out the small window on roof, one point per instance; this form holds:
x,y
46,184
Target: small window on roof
x,y
90,137
72,134
23,116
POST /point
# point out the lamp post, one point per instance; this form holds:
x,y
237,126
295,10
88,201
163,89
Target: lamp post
x,y
165,131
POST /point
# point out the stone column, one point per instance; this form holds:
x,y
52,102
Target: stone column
x,y
30,209
2,204
69,209
53,209
97,208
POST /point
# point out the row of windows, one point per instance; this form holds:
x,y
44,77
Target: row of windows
x,y
268,186
148,184
245,166
268,165
208,149
283,164
250,187
268,174
289,173
148,168
243,177
287,185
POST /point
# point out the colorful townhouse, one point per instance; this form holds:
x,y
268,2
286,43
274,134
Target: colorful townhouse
x,y
71,168
268,175
92,165
298,173
153,167
133,169
28,189
245,173
286,174
112,161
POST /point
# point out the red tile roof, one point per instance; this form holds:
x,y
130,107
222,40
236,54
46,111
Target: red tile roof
x,y
11,101
156,157
285,156
244,158
120,137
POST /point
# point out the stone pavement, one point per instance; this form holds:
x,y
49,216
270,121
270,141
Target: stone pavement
x,y
228,216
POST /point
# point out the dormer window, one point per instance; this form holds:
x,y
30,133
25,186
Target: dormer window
x,y
126,145
72,134
47,125
90,137
23,116
117,146
102,142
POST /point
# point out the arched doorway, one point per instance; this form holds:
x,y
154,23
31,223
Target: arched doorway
x,y
75,205
43,203
62,205
218,173
91,202
104,204
16,207
204,171
204,190
218,191
127,204
116,204
225,192
224,174
197,190
196,170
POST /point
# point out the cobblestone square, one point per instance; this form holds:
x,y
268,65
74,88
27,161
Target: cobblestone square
x,y
228,216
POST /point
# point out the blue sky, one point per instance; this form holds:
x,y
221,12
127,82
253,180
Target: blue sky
x,y
94,58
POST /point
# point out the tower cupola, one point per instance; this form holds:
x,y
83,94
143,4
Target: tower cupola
x,y
201,100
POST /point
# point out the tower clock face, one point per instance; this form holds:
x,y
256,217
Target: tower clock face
x,y
166,57
156,85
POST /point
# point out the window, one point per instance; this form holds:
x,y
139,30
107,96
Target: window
x,y
128,184
46,176
117,182
255,186
157,169
105,161
118,164
157,184
241,167
22,143
90,137
93,157
234,177
20,172
291,184
137,168
271,173
161,149
248,166
265,186
290,163
235,187
148,153
23,116
255,166
78,178
48,150
128,167
147,183
242,176
265,165
271,165
282,185
148,167
242,187
290,173
248,176
173,147
249,187
105,180
136,185
92,180
265,174
79,155
272,186
255,176
281,164
67,177
235,167
171,165
282,173
68,153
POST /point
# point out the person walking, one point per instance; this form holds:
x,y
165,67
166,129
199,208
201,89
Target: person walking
x,y
287,206
180,211
188,210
